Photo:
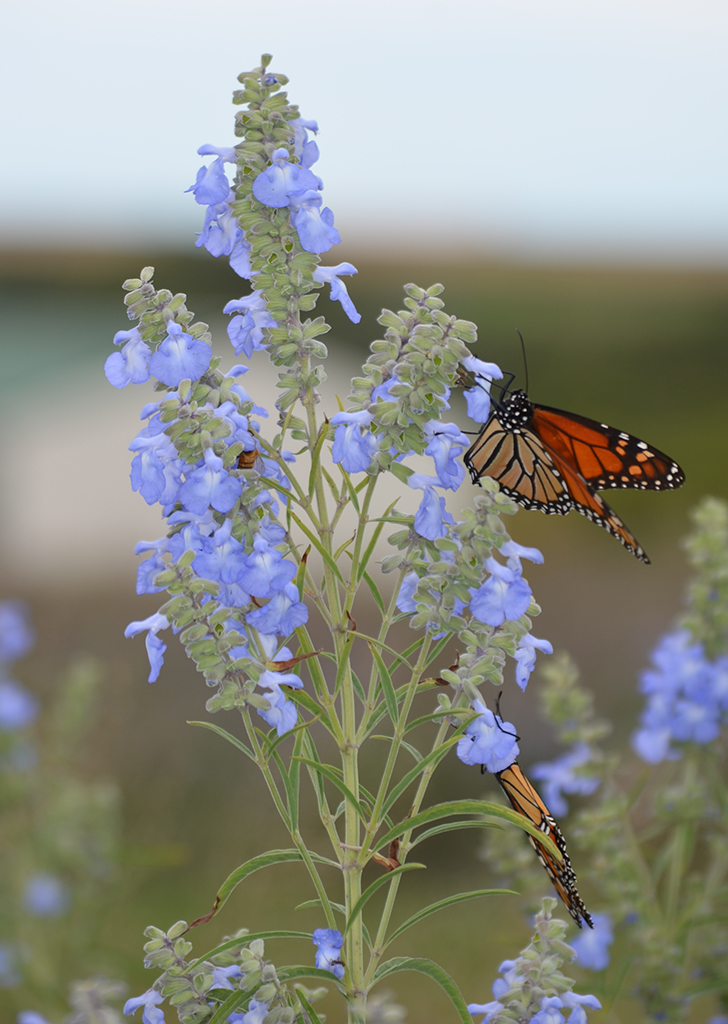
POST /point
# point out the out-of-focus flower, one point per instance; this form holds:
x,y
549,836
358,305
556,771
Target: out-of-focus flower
x,y
18,707
16,633
592,945
46,896
559,777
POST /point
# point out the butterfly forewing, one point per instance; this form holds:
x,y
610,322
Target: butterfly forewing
x,y
525,800
604,456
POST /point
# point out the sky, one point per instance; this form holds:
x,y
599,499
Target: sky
x,y
520,128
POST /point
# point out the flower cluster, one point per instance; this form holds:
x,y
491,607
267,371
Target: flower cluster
x,y
197,988
687,698
532,987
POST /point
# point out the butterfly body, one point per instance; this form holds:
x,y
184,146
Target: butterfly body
x,y
554,461
525,800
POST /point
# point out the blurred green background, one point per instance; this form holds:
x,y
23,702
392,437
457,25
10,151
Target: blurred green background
x,y
643,348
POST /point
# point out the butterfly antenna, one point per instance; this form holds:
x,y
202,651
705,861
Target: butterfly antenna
x,y
525,361
499,717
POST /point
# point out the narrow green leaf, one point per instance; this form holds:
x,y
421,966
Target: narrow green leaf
x,y
452,826
387,686
248,868
444,810
289,973
227,736
438,649
407,746
374,589
305,700
327,771
358,688
288,785
433,758
431,970
249,937
233,1001
367,554
273,740
369,892
309,1010
319,547
450,901
436,716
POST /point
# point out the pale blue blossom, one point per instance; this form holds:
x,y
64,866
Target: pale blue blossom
x,y
526,657
155,647
18,707
315,226
354,445
488,741
504,597
432,517
210,485
131,365
247,330
179,357
478,398
276,184
46,896
150,1000
329,942
330,276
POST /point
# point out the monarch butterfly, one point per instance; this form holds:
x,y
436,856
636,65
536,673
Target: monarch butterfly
x,y
556,461
525,800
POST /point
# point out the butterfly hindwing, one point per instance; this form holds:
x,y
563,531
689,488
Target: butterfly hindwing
x,y
525,800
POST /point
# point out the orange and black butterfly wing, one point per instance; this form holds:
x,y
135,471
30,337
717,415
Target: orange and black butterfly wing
x,y
522,466
604,456
525,800
590,504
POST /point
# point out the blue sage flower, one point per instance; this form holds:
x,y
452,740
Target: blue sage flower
x,y
283,613
220,229
283,714
488,742
478,398
179,357
354,445
210,485
265,571
155,647
46,896
304,148
328,953
131,365
526,657
18,707
592,945
445,444
330,276
255,1015
31,1017
405,599
276,184
559,777
246,332
504,597
211,185
432,517
156,470
315,227
150,1000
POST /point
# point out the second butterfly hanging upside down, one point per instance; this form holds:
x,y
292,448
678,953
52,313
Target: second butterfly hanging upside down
x,y
555,461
